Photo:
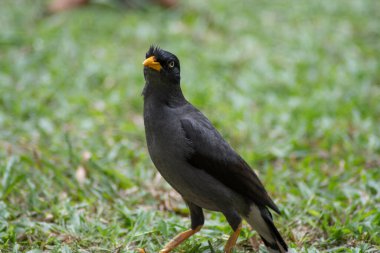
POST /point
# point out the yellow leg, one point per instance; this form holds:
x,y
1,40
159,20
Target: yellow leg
x,y
232,240
179,239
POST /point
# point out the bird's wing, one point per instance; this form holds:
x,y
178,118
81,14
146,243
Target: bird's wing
x,y
211,153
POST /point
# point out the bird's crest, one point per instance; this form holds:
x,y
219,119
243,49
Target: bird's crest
x,y
154,50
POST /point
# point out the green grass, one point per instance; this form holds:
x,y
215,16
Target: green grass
x,y
293,85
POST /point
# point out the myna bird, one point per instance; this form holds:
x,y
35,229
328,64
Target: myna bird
x,y
197,162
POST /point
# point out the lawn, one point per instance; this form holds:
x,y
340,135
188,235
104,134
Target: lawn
x,y
294,86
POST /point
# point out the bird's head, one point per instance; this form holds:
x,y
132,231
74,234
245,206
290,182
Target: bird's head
x,y
161,67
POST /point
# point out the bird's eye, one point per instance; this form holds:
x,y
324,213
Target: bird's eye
x,y
171,64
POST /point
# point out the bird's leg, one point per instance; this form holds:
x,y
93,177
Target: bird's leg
x,y
234,220
232,240
197,220
179,239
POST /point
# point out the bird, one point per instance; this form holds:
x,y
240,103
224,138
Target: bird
x,y
194,158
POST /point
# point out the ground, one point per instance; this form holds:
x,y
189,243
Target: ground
x,y
294,86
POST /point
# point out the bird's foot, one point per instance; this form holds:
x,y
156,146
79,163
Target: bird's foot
x,y
179,239
140,250
232,240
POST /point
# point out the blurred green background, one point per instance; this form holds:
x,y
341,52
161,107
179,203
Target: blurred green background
x,y
294,86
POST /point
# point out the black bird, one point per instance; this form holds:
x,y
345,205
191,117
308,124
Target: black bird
x,y
197,162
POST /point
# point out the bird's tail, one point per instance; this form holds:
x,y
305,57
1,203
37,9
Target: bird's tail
x,y
260,220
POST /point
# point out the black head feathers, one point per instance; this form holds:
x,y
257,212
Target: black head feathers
x,y
162,76
165,58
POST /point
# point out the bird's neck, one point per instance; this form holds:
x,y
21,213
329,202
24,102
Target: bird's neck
x,y
170,96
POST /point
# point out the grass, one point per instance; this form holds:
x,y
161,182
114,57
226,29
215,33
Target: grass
x,y
294,86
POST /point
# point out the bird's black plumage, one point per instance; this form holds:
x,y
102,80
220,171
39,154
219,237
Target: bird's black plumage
x,y
162,56
195,159
211,153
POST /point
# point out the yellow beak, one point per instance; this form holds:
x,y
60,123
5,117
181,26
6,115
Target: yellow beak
x,y
152,63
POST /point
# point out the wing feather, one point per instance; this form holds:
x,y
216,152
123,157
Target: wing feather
x,y
211,153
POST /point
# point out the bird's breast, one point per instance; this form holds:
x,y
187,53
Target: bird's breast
x,y
164,136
